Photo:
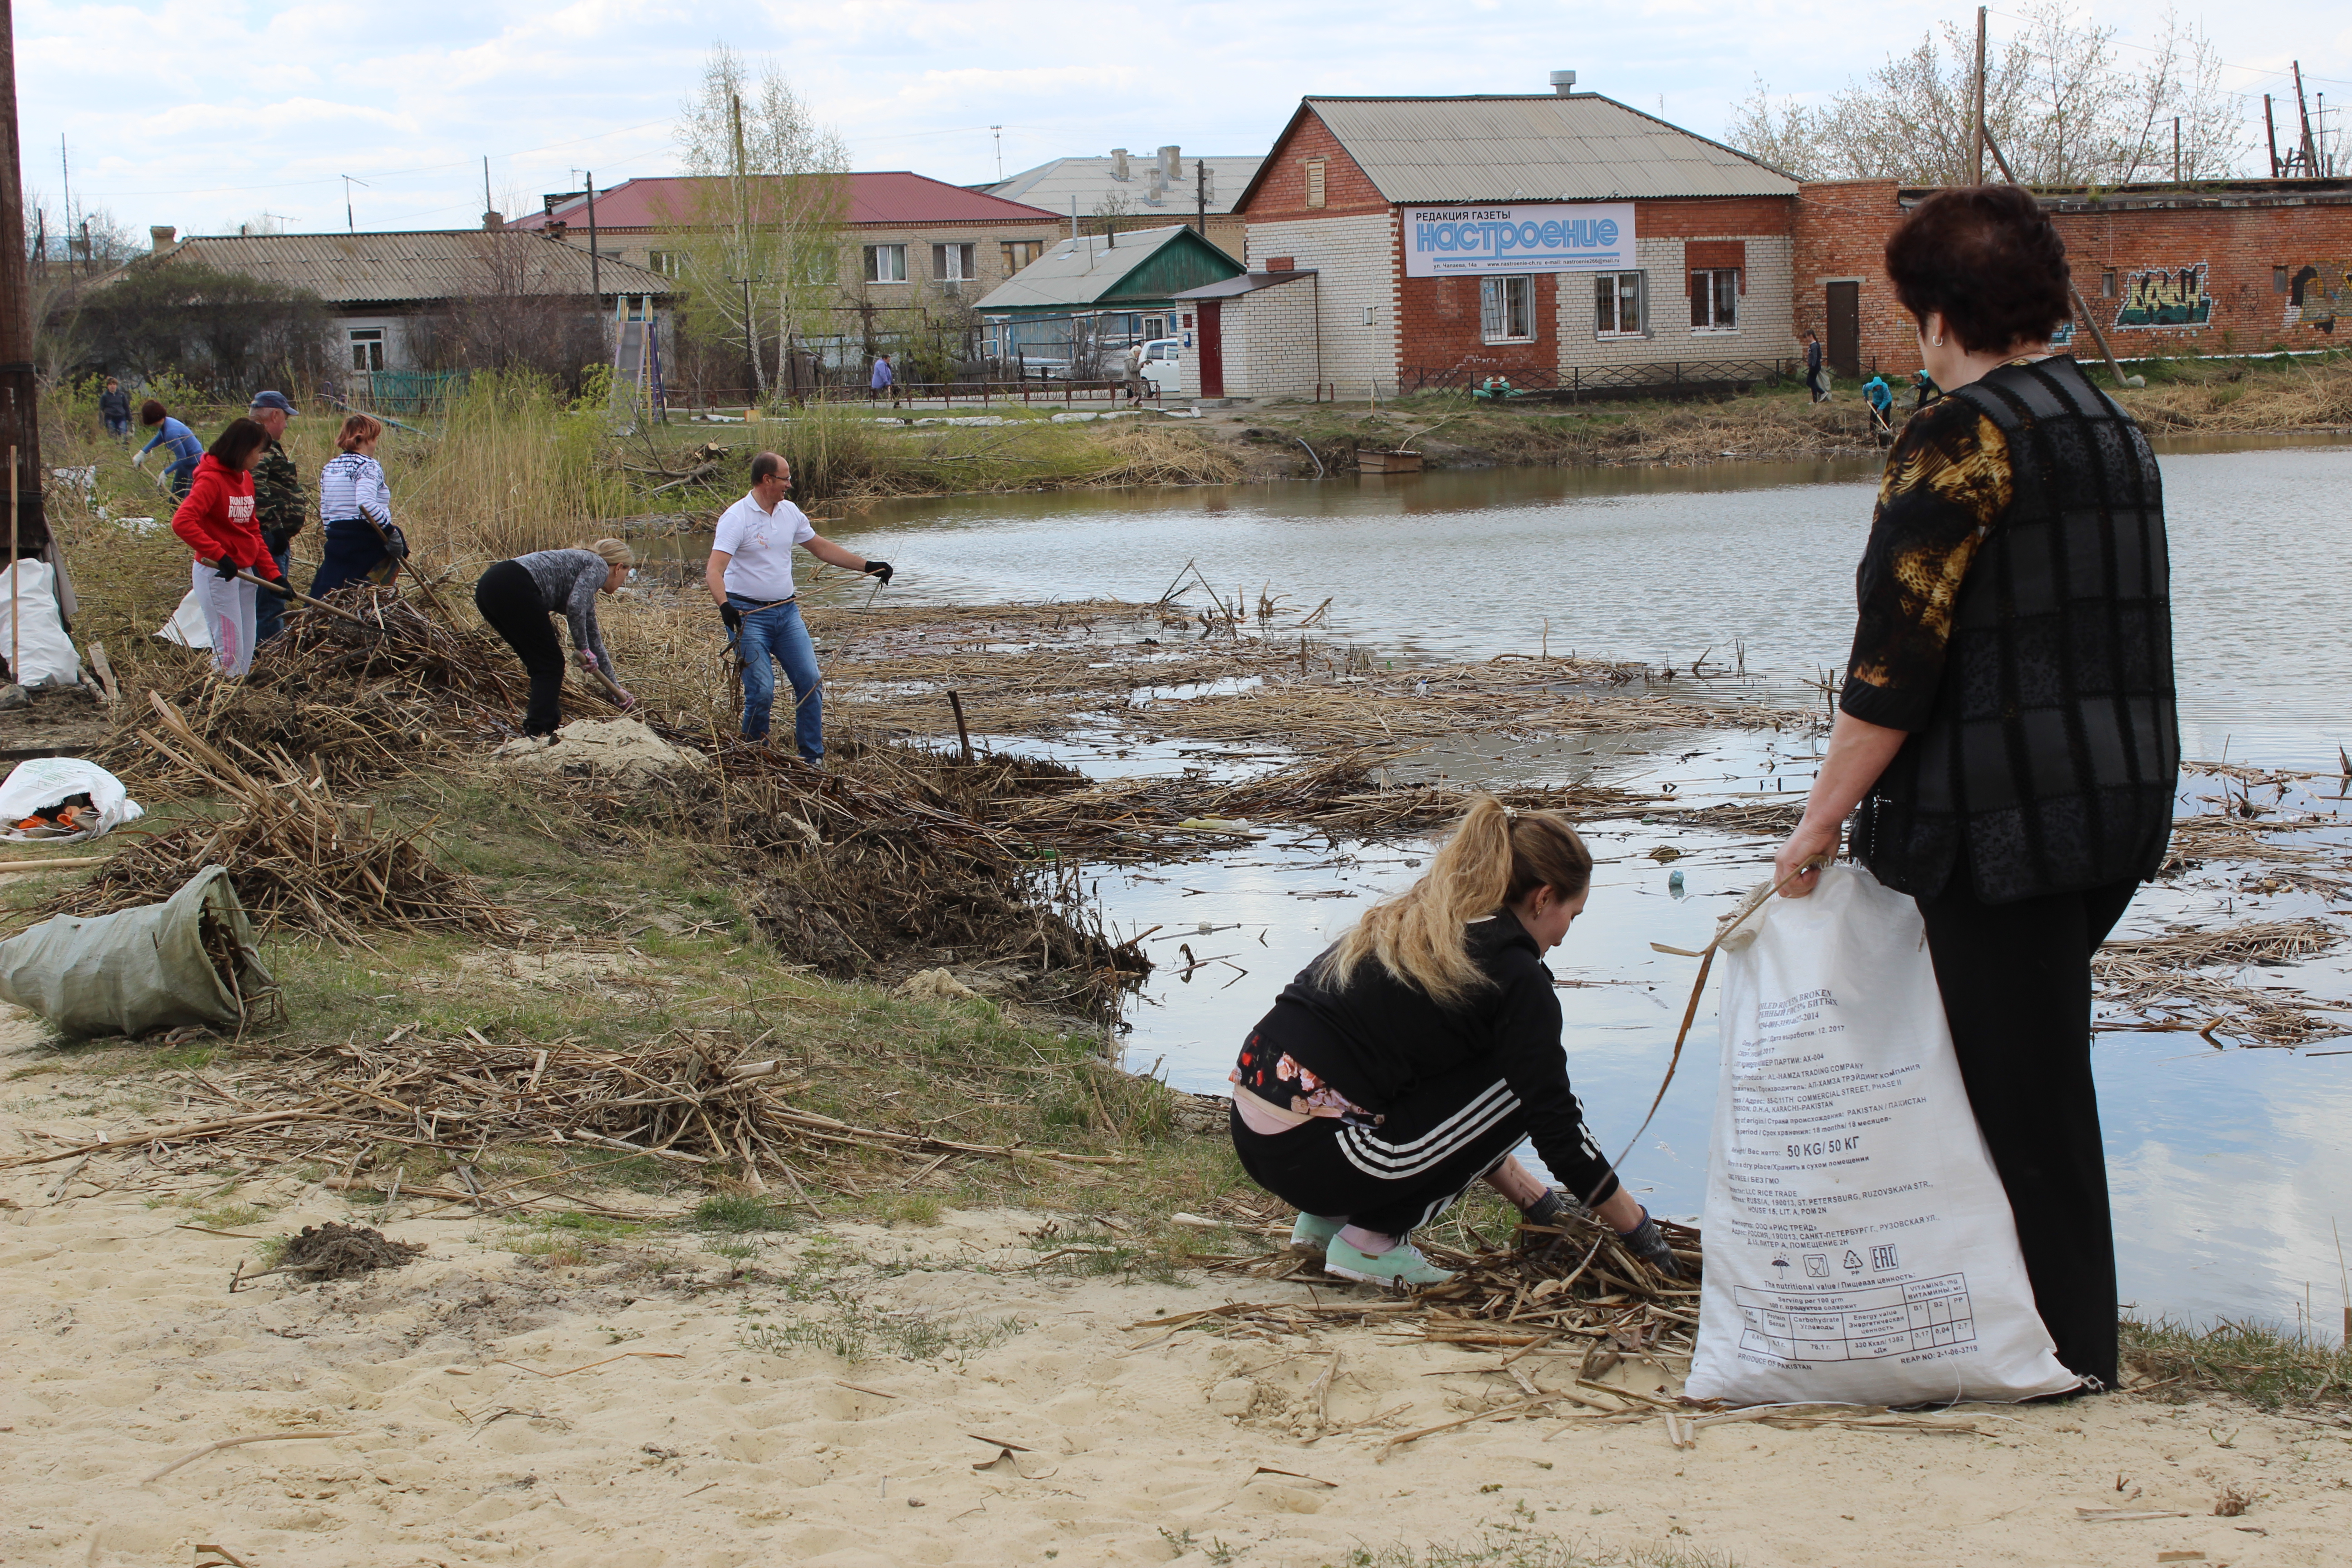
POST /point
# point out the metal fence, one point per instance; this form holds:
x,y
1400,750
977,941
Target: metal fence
x,y
409,392
1672,378
977,392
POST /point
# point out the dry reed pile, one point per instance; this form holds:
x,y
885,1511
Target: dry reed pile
x,y
693,1099
2162,979
300,859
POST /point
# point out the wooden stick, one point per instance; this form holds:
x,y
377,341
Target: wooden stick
x,y
963,736
9,865
238,1443
104,668
286,591
14,673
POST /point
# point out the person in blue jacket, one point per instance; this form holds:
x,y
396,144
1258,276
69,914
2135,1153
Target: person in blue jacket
x,y
177,440
1882,404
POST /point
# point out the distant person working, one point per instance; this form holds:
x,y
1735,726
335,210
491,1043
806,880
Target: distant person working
x,y
114,408
178,442
1882,406
1814,380
751,579
355,509
883,380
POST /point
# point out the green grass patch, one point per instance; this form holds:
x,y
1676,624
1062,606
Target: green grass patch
x,y
847,1327
739,1211
2263,1366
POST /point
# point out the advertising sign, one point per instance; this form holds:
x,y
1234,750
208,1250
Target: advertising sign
x,y
1545,236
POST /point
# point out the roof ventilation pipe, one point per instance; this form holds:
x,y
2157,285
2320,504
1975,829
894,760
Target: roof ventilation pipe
x,y
1563,82
1119,163
1172,163
160,235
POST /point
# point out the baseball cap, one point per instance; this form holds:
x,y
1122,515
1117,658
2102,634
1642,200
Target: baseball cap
x,y
277,400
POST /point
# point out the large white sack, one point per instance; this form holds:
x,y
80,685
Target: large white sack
x,y
1859,1245
189,626
43,651
43,782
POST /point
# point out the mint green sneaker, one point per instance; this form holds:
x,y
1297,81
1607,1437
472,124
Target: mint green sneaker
x,y
1313,1233
1400,1266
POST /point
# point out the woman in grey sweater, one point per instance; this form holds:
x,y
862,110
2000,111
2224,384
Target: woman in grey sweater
x,y
517,596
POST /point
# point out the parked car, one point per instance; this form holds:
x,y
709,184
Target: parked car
x,y
1163,364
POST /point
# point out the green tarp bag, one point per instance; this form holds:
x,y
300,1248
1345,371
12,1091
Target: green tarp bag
x,y
188,960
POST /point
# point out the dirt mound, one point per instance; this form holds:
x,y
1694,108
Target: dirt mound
x,y
337,1251
619,747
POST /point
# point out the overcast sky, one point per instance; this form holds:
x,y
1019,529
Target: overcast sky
x,y
204,115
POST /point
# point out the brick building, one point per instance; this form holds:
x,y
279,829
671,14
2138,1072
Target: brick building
x,y
2214,267
1548,239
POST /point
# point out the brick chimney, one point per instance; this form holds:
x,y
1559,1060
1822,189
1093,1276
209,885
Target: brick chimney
x,y
160,235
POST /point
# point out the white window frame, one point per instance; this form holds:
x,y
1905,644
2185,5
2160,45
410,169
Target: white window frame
x,y
1715,290
1623,286
367,348
954,262
668,263
881,260
1499,297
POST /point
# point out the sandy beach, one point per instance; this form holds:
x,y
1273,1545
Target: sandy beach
x,y
514,1396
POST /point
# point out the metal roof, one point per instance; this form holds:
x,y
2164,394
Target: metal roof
x,y
1534,147
1076,272
1247,283
411,265
888,198
1090,180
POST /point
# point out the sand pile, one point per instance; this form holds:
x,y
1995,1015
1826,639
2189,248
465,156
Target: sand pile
x,y
620,748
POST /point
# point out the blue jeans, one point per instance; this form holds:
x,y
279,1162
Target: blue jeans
x,y
182,475
269,608
777,633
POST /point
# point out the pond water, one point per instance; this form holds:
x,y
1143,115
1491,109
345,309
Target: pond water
x,y
2230,1169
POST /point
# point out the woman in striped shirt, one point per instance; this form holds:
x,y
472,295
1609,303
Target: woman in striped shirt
x,y
355,504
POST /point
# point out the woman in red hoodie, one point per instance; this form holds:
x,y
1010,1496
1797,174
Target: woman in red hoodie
x,y
216,522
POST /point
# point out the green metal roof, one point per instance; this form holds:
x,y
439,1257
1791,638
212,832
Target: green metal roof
x,y
1138,269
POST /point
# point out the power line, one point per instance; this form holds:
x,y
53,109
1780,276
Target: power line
x,y
2257,71
381,173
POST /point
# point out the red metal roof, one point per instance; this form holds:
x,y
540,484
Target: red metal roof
x,y
895,197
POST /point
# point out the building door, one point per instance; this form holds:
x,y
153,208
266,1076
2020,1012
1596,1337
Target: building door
x,y
1213,349
1844,351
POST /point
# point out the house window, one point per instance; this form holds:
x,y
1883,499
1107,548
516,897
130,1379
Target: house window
x,y
1507,311
367,348
2108,284
2278,281
1155,327
1315,187
952,263
1715,299
1020,253
1617,304
668,263
885,264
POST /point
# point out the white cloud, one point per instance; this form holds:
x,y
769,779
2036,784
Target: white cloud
x,y
197,114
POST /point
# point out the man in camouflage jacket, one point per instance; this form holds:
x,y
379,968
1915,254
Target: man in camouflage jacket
x,y
278,507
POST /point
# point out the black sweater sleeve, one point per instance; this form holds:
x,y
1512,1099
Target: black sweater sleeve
x,y
1534,1063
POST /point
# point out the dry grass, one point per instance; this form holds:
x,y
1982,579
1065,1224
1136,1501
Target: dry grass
x,y
2283,395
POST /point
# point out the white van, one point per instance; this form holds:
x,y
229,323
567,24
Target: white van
x,y
1163,364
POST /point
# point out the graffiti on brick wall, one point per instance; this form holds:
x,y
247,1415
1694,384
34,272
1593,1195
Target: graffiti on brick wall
x,y
2319,294
2063,338
2162,297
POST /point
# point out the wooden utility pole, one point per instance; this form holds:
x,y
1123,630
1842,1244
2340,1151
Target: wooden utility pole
x,y
1977,152
1200,196
2310,152
596,265
2176,148
2081,306
2269,128
20,410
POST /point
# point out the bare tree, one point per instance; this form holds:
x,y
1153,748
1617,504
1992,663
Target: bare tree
x,y
759,231
2058,100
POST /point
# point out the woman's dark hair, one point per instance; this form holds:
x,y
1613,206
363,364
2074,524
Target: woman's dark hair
x,y
1989,259
234,445
152,412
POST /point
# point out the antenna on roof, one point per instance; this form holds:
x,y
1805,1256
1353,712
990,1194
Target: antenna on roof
x,y
350,226
998,130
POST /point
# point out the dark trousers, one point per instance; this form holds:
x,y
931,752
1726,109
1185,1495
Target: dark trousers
x,y
1400,1175
2016,979
269,608
348,550
509,601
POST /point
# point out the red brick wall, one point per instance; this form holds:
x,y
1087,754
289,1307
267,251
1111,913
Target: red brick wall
x,y
1282,192
1437,320
1696,216
1842,226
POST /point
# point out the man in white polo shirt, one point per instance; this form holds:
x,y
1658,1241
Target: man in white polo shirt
x,y
750,580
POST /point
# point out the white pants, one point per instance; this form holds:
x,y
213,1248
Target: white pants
x,y
228,614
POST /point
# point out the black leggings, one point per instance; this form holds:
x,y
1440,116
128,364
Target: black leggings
x,y
509,601
1406,1171
2016,979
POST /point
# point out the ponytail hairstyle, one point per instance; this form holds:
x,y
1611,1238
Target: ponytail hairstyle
x,y
612,552
1496,858
357,428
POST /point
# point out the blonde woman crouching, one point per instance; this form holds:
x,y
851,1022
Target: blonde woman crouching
x,y
517,596
1410,1059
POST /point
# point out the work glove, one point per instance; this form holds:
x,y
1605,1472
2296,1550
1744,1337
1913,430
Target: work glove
x,y
878,569
224,569
587,658
731,618
1646,1242
1550,1210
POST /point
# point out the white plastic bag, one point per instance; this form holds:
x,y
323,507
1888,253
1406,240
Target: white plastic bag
x,y
1859,1245
43,782
189,626
43,652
